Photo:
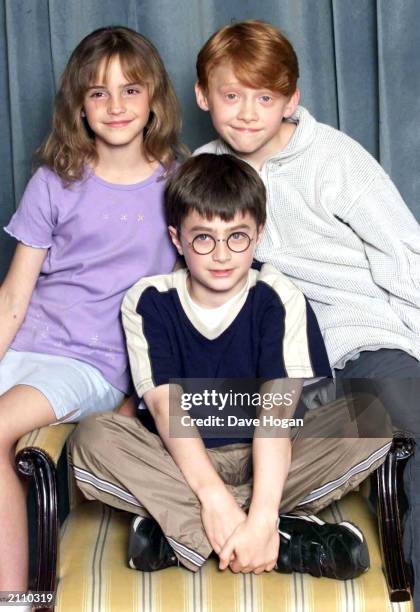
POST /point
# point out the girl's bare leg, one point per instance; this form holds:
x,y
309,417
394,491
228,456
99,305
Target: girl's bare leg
x,y
22,409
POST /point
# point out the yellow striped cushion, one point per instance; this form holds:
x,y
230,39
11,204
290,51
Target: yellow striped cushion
x,y
93,576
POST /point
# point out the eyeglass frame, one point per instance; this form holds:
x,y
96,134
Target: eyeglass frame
x,y
216,240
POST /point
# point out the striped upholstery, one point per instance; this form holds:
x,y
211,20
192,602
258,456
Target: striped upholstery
x,y
93,576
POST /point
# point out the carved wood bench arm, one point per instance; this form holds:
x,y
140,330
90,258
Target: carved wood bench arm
x,y
390,493
37,455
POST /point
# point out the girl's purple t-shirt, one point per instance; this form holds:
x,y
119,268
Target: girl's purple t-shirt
x,y
101,238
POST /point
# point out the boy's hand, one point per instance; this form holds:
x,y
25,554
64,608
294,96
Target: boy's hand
x,y
221,515
253,547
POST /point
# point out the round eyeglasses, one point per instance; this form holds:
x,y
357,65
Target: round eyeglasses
x,y
238,242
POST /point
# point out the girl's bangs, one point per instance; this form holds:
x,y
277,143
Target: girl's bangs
x,y
134,68
95,71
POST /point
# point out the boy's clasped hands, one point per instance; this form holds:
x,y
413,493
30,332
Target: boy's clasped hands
x,y
244,543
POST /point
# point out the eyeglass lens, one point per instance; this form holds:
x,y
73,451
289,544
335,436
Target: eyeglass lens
x,y
236,242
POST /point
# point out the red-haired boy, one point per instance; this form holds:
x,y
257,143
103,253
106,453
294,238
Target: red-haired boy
x,y
336,225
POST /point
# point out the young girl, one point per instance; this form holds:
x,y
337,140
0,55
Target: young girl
x,y
90,223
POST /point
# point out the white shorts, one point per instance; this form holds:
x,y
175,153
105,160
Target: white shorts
x,y
74,388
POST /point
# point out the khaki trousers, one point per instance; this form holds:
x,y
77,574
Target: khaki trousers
x,y
118,461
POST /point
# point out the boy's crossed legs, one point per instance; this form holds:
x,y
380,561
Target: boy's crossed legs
x,y
140,476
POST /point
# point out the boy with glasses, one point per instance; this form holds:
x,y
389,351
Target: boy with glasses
x,y
224,317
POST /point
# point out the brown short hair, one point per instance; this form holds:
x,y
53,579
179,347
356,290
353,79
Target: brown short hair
x,y
214,185
71,144
261,56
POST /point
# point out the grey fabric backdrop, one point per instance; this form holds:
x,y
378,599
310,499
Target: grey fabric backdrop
x,y
359,60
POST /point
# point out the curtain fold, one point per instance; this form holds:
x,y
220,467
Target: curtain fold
x,y
398,26
356,61
359,63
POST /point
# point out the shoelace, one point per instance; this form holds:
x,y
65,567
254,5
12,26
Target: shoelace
x,y
324,561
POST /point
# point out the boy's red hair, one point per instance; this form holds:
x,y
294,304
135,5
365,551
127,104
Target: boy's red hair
x,y
261,57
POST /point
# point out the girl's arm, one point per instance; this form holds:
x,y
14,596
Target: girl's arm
x,y
16,291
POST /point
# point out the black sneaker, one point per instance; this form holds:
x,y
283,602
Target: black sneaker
x,y
309,545
148,549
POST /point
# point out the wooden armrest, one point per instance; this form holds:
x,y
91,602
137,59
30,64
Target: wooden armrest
x,y
51,440
390,498
37,455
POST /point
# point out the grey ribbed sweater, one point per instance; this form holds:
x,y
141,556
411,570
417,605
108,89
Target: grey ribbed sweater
x,y
337,226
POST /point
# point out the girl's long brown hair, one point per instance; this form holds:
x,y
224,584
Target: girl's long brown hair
x,y
71,145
